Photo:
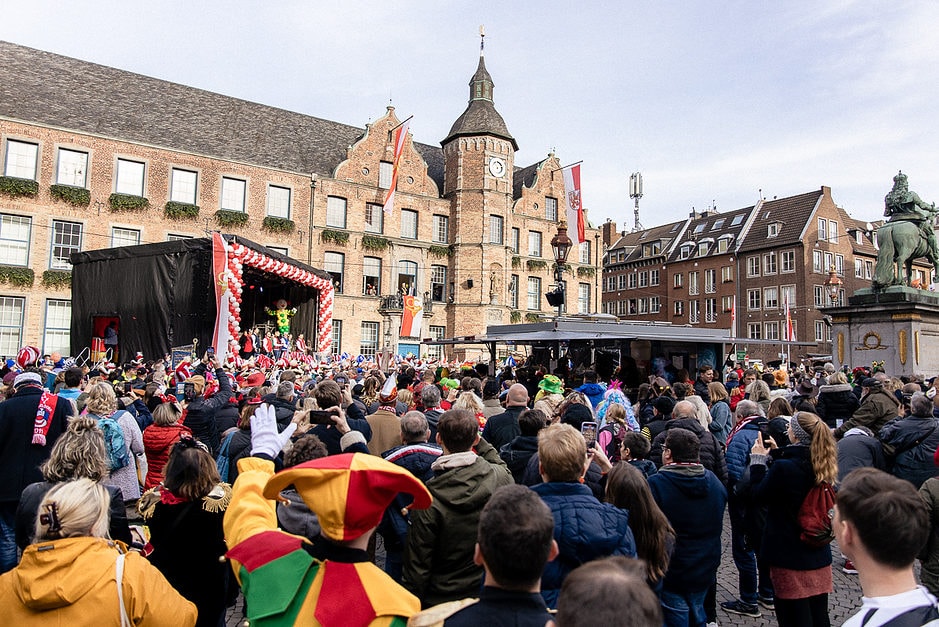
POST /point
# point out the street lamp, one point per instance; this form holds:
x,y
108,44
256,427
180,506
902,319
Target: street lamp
x,y
560,245
833,285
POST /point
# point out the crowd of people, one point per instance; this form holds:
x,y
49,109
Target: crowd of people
x,y
339,494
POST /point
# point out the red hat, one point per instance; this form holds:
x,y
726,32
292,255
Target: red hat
x,y
27,356
255,379
349,492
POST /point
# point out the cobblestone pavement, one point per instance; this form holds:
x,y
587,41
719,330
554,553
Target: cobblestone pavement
x,y
841,605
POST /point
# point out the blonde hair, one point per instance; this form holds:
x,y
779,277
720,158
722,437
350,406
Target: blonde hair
x,y
101,399
759,391
406,396
822,451
166,414
562,452
717,391
469,401
79,452
616,413
80,507
838,377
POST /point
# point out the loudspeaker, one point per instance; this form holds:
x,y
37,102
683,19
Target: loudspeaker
x,y
469,283
555,298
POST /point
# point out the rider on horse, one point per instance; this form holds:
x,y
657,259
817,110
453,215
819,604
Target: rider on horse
x,y
903,205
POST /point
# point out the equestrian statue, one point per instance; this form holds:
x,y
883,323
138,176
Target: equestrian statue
x,y
908,234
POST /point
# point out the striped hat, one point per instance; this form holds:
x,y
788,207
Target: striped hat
x,y
27,356
349,492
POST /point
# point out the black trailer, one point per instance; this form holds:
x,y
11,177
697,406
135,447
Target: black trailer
x,y
163,295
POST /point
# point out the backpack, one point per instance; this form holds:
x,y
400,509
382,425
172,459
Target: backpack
x,y
114,442
613,446
222,461
815,516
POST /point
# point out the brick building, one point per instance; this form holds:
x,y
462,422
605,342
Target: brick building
x,y
96,157
693,271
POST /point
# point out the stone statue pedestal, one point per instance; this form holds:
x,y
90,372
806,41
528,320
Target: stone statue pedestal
x,y
896,325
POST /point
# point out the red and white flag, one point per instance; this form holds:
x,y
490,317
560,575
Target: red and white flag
x,y
575,209
401,134
790,336
412,317
221,333
733,317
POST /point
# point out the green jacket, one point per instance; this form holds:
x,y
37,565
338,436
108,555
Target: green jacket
x,y
929,556
876,409
439,564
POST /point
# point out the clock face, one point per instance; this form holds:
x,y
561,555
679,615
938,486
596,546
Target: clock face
x,y
497,167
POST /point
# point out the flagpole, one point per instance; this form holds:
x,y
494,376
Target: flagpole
x,y
569,165
394,128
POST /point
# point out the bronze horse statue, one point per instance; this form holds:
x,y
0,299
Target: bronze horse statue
x,y
900,243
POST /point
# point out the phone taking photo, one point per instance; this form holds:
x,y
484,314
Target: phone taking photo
x,y
589,431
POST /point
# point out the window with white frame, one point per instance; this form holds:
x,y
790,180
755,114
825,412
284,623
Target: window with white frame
x,y
374,218
513,291
551,209
772,229
727,274
769,263
643,279
771,331
685,251
754,331
820,296
727,303
833,231
130,177
11,324
788,261
57,331
621,281
868,269
534,293
336,347
679,307
817,261
408,224
787,294
14,240
655,305
368,343
723,244
336,212
643,306
437,332
822,229
829,261
585,252
710,281
72,168
176,237
124,237
334,264
753,266
819,331
534,244
441,229
514,239
770,298
66,239
703,249
583,298
653,277
278,201
677,279
693,283
233,194
183,186
496,229
371,276
631,280
754,299
632,307
710,310
694,311
386,170
438,283
839,264
858,269
21,161
407,276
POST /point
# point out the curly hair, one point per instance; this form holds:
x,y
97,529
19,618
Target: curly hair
x,y
79,452
822,450
306,448
101,399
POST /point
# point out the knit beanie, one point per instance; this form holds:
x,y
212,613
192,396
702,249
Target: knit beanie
x,y
803,436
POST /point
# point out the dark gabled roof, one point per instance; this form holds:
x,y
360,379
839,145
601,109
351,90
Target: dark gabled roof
x,y
480,116
46,88
634,240
713,227
851,225
524,176
792,213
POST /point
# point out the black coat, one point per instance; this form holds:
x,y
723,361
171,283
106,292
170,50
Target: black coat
x,y
330,436
200,413
502,428
19,457
283,410
517,453
29,506
835,402
859,451
594,479
711,455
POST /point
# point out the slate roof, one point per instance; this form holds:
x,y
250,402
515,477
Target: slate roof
x,y
632,242
524,176
866,247
46,88
792,213
480,116
713,226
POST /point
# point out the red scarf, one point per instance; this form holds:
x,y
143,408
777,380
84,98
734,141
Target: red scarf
x,y
740,425
47,403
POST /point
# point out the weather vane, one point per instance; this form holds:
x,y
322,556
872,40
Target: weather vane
x,y
482,38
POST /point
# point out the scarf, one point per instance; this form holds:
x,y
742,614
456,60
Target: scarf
x,y
47,403
740,425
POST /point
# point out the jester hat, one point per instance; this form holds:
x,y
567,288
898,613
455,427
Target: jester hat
x,y
349,492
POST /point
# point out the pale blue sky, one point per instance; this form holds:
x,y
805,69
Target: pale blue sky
x,y
711,101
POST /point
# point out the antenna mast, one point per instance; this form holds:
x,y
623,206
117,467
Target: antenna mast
x,y
635,192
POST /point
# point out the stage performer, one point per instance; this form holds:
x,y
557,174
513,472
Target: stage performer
x,y
301,345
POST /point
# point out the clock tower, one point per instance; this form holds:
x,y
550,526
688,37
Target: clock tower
x,y
479,162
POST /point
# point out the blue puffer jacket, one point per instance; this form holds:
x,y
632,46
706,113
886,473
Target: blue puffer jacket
x,y
738,451
593,391
584,528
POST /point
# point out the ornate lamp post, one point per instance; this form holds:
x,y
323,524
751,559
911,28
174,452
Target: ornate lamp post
x,y
560,245
833,285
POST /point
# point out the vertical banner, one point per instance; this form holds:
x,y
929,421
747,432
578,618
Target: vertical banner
x,y
789,333
221,335
733,317
400,135
574,210
412,317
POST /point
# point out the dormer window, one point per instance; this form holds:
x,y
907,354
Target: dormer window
x,y
702,249
723,244
718,224
772,229
685,251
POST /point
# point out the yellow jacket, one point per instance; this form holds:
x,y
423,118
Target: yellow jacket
x,y
73,582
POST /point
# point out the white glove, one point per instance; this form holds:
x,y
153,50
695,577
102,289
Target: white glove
x,y
264,436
